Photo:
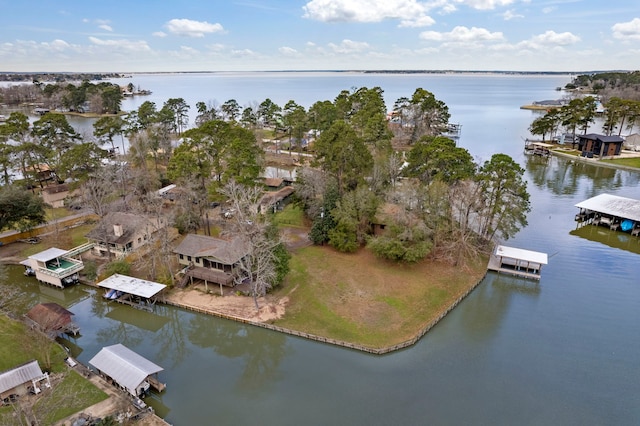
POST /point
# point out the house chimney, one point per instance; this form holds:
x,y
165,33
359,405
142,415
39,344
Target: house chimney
x,y
117,229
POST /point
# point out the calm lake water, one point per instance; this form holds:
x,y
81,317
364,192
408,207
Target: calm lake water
x,y
562,351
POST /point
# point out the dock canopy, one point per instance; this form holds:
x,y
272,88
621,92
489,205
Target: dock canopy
x,y
521,254
49,254
613,205
132,285
13,380
127,368
516,261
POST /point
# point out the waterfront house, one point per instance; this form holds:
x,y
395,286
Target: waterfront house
x,y
127,369
275,200
121,233
52,319
21,380
213,260
632,142
596,145
54,266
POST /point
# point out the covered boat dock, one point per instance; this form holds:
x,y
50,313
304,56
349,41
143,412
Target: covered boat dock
x,y
617,213
129,370
516,261
136,292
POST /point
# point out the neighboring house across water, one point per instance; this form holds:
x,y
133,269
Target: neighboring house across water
x,y
596,145
52,319
54,266
213,260
121,233
21,380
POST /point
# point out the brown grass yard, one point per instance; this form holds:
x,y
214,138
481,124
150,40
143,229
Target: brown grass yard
x,y
365,300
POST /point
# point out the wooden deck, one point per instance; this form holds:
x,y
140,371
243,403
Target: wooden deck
x,y
156,384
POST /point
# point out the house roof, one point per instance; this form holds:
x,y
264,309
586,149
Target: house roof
x,y
123,365
132,285
55,189
601,138
48,254
50,315
273,182
222,251
613,205
272,197
19,375
131,225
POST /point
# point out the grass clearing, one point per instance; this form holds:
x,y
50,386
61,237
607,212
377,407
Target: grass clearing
x,y
366,300
291,215
627,162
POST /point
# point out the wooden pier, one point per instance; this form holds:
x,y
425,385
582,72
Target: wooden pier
x,y
519,262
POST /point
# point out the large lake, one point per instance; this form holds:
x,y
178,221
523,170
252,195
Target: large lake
x,y
562,351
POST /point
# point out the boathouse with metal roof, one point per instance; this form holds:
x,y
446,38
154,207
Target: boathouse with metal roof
x,y
127,369
517,261
618,213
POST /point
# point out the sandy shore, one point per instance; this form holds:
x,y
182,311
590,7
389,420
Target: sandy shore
x,y
231,305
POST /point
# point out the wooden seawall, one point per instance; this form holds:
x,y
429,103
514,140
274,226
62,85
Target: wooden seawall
x,y
362,348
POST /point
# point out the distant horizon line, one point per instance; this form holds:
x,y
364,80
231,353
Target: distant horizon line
x,y
383,71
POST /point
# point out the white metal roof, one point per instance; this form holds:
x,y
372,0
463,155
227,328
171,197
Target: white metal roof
x,y
521,254
123,365
48,254
132,285
626,208
20,375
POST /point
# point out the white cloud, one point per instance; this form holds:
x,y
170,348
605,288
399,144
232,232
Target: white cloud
x,y
627,30
58,45
486,4
510,14
411,13
548,9
462,35
552,38
349,46
136,46
242,53
288,51
190,28
160,34
105,27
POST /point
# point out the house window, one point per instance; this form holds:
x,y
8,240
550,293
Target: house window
x,y
189,258
181,257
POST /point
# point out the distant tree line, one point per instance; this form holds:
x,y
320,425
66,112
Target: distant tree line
x,y
98,98
624,85
388,181
56,77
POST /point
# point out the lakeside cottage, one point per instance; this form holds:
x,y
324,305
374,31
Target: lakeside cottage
x,y
213,260
121,233
596,145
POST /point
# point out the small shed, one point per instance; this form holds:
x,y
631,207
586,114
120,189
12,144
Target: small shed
x,y
52,319
594,144
22,379
516,261
127,369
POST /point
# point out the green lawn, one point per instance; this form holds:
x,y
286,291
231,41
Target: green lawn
x,y
361,299
291,215
73,394
627,162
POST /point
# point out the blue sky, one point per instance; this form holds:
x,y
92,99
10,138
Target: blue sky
x,y
253,35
